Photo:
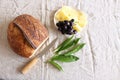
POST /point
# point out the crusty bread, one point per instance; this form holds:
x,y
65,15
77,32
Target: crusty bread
x,y
26,34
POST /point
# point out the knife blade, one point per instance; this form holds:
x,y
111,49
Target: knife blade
x,y
47,48
27,67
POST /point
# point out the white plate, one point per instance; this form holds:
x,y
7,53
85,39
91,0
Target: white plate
x,y
56,21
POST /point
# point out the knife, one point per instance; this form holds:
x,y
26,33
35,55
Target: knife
x,y
27,67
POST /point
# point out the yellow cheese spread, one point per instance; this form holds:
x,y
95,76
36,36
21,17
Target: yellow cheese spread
x,y
68,13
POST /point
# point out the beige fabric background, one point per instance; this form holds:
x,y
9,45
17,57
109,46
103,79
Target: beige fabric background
x,y
100,58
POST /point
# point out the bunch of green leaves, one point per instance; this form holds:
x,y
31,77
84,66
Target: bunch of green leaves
x,y
71,45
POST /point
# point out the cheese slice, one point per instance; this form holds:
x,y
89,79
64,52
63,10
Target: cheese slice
x,y
68,13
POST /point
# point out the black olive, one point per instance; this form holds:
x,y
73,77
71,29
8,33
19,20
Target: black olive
x,y
74,31
62,31
72,20
70,27
57,24
68,33
67,22
61,23
59,29
71,24
65,27
68,30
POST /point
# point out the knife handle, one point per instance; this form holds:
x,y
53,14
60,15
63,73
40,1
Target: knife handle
x,y
27,67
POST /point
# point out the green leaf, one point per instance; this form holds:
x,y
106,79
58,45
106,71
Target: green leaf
x,y
56,65
75,49
72,43
76,40
63,44
62,58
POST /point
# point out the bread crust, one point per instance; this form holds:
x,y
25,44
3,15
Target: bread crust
x,y
25,34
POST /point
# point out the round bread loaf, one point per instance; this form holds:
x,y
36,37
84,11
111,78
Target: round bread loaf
x,y
26,34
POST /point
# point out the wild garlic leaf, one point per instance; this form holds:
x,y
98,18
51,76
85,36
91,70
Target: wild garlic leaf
x,y
64,43
74,49
72,43
63,58
56,65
